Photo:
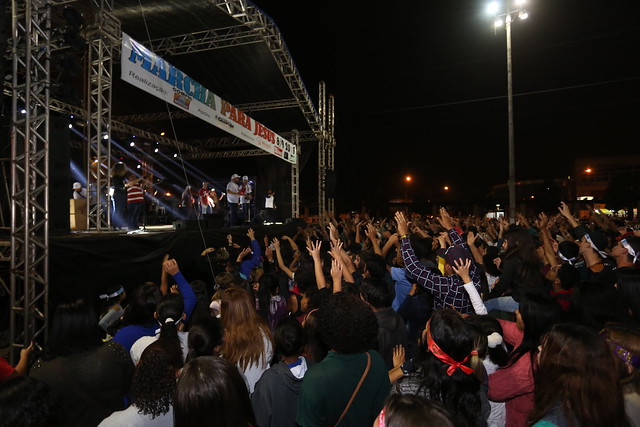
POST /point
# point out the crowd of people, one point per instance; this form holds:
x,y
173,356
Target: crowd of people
x,y
356,321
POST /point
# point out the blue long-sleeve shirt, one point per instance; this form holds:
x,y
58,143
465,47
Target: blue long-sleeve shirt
x,y
128,335
252,261
447,291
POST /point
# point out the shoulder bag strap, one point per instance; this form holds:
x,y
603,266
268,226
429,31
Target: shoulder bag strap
x,y
355,392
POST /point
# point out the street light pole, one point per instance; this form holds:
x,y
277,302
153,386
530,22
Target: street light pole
x,y
512,160
494,8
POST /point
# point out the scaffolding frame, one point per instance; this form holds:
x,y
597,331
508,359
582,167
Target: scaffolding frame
x,y
29,276
104,39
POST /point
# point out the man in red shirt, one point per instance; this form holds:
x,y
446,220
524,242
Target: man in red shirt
x,y
206,202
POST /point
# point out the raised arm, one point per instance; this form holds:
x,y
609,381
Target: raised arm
x,y
189,297
566,212
391,242
284,268
314,251
372,234
471,242
461,268
340,256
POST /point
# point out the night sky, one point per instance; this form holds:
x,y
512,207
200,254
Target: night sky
x,y
420,89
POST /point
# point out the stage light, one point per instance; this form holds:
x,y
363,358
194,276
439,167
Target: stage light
x,y
132,144
493,7
105,136
23,111
70,126
498,23
156,150
138,167
175,155
523,14
161,133
167,194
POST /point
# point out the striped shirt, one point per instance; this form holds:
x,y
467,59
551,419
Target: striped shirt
x,y
135,194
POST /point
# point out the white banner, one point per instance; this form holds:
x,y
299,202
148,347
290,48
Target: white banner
x,y
144,69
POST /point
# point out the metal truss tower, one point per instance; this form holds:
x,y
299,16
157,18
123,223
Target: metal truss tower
x,y
104,36
295,178
331,145
322,151
31,54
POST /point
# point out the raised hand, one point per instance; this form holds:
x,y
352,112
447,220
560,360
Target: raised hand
x,y
336,270
445,219
244,253
564,210
336,250
314,249
461,268
398,356
403,227
471,238
171,266
276,244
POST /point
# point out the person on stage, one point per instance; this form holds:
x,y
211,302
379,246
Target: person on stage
x,y
206,201
270,206
135,200
78,191
119,196
233,198
188,202
246,197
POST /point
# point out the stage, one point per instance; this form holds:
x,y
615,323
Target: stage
x,y
85,263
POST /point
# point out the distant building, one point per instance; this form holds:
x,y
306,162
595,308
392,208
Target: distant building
x,y
595,178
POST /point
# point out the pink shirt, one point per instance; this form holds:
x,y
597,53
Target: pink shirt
x,y
513,384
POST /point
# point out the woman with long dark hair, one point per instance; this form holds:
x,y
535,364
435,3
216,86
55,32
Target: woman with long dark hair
x,y
89,377
443,371
211,392
247,338
521,272
575,382
170,316
513,383
154,384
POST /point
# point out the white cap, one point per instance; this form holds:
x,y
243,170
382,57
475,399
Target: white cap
x,y
245,178
77,185
234,176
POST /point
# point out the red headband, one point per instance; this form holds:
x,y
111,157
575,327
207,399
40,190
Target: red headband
x,y
444,357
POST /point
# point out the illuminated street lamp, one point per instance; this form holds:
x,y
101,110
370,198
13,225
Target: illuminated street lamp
x,y
588,170
505,17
